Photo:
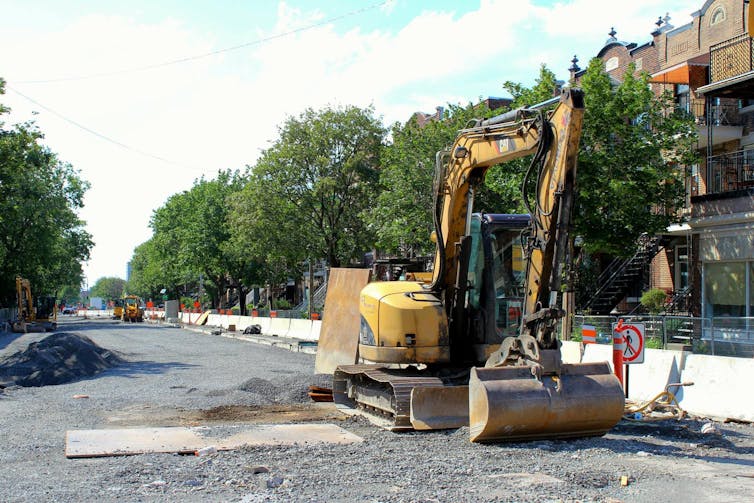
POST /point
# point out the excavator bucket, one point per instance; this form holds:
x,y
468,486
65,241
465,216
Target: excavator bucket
x,y
509,403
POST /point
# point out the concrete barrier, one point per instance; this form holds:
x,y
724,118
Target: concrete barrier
x,y
300,329
598,353
316,327
279,327
660,368
722,387
215,320
571,352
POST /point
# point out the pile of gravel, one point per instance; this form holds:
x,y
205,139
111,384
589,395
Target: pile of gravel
x,y
58,358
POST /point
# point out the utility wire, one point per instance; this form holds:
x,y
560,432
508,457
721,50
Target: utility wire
x,y
102,136
212,53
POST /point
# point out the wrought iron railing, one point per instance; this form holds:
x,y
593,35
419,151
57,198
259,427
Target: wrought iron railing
x,y
730,171
731,58
720,113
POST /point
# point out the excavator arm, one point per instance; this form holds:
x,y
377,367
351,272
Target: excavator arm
x,y
524,390
553,138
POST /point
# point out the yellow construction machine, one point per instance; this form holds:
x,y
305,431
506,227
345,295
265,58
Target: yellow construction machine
x,y
478,345
132,309
117,309
38,314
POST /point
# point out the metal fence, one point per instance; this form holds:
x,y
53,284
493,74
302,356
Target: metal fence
x,y
712,336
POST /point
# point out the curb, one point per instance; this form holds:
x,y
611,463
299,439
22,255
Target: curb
x,y
287,343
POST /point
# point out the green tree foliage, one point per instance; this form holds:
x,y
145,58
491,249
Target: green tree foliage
x,y
504,181
108,288
633,149
41,236
148,272
189,242
402,212
307,193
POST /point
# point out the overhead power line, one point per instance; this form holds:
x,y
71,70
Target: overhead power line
x,y
102,136
211,53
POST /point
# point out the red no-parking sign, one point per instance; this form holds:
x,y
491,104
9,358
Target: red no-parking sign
x,y
633,341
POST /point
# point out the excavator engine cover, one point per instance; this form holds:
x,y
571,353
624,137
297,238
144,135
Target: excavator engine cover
x,y
511,403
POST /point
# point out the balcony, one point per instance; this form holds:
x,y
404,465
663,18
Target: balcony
x,y
730,172
731,69
731,58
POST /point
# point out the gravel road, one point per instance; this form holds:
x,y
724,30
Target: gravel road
x,y
176,377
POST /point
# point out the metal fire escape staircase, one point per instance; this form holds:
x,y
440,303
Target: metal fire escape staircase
x,y
620,275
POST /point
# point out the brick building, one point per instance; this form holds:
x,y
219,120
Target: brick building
x,y
707,263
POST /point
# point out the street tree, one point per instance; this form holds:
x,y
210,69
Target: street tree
x,y
108,288
188,242
402,212
41,236
631,163
307,193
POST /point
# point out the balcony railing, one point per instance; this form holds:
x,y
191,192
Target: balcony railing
x,y
731,58
724,113
730,171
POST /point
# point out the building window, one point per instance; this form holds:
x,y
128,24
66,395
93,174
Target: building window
x,y
611,64
683,97
681,267
718,16
725,289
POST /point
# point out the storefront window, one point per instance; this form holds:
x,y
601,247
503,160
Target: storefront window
x,y
725,289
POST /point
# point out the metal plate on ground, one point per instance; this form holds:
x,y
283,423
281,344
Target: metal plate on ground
x,y
339,336
124,442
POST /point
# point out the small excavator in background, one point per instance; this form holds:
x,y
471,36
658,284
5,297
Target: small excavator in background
x,y
133,310
38,314
464,348
117,309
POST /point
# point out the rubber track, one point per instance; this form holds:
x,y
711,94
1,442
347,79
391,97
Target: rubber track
x,y
394,383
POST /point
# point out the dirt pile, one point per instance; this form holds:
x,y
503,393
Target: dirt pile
x,y
56,359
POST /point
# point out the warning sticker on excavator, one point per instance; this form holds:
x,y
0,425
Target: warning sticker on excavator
x,y
633,341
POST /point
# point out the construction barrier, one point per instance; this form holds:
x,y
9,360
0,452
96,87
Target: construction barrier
x,y
300,329
279,326
571,352
660,368
722,386
316,327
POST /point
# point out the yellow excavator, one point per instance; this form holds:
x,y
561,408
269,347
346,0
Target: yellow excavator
x,y
132,309
478,345
34,314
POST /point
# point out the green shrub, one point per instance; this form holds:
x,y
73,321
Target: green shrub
x,y
283,304
654,300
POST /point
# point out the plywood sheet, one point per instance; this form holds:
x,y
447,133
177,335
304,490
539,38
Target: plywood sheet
x,y
124,442
339,336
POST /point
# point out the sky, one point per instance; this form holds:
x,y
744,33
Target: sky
x,y
144,97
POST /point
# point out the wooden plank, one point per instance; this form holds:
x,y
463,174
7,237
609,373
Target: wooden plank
x,y
339,336
124,442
